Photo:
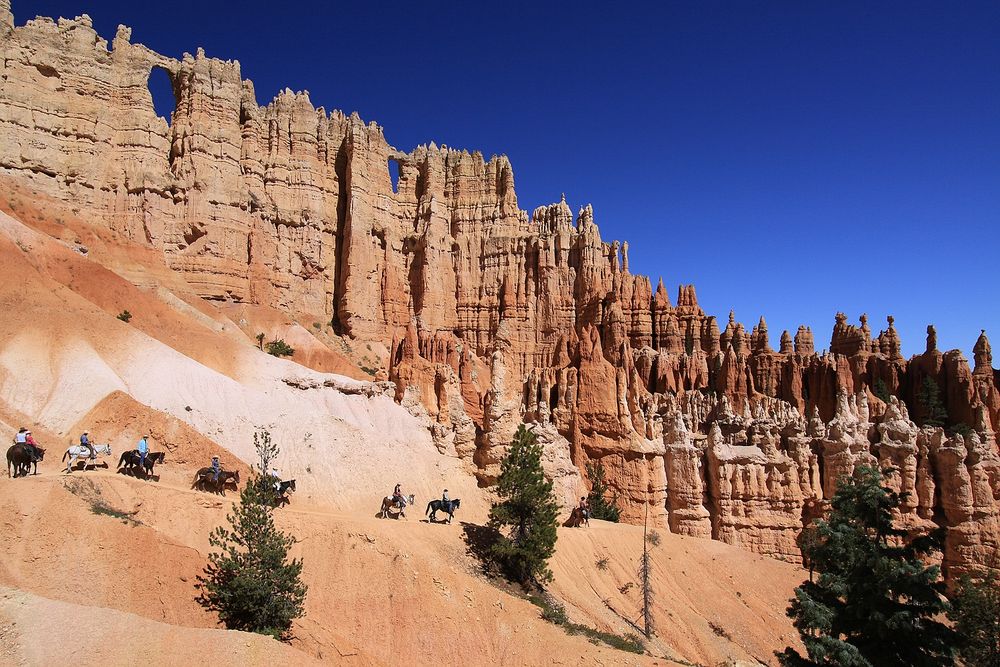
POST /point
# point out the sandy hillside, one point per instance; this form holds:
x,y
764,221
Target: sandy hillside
x,y
385,588
189,373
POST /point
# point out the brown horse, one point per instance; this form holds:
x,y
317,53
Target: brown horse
x,y
204,476
19,461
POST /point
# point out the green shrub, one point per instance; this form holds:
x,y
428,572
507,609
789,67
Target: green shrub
x,y
125,316
600,506
929,397
976,615
279,348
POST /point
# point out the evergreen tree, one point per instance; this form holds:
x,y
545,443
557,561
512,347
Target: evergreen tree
x,y
249,581
600,506
874,602
929,397
976,615
526,513
881,391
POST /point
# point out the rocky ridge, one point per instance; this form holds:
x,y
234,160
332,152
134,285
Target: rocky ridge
x,y
488,316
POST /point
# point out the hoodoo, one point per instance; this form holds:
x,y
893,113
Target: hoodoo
x,y
485,316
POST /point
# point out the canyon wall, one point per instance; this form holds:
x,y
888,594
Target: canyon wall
x,y
488,316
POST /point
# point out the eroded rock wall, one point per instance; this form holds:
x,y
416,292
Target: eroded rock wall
x,y
489,316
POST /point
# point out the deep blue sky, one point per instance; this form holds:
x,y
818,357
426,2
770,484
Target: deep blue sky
x,y
790,159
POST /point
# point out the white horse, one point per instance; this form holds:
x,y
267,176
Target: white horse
x,y
389,502
83,452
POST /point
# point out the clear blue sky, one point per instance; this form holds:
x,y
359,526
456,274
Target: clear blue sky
x,y
790,159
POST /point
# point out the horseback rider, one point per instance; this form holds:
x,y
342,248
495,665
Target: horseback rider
x,y
85,442
216,469
397,496
444,497
31,446
276,480
21,438
143,449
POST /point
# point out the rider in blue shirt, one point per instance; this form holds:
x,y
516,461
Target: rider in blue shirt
x,y
143,450
85,442
216,469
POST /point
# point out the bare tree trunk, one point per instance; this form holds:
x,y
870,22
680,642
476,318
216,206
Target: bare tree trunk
x,y
644,578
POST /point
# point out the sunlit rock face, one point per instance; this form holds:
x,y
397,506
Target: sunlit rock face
x,y
489,316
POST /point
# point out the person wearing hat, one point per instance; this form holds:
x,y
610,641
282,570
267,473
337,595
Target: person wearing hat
x,y
143,449
21,437
216,469
31,446
397,496
444,497
85,442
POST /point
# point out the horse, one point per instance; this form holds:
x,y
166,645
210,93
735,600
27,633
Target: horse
x,y
389,502
449,506
84,452
283,489
19,461
131,461
204,476
578,517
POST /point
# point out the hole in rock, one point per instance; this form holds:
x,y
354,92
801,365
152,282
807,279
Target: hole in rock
x,y
162,90
394,175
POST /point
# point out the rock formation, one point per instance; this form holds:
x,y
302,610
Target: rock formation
x,y
489,316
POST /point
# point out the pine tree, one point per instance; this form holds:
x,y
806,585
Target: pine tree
x,y
526,513
600,506
881,391
249,581
976,615
874,602
929,397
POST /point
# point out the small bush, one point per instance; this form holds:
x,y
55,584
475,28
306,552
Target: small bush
x,y
99,508
125,316
653,538
976,614
961,428
602,564
555,613
719,630
881,390
600,506
279,348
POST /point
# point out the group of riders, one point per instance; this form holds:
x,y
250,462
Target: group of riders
x,y
25,440
23,437
399,500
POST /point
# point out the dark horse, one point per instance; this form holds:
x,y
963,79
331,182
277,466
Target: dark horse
x,y
19,461
282,492
131,462
204,476
435,506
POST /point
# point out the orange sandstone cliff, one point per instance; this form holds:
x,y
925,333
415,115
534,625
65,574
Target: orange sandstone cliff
x,y
485,316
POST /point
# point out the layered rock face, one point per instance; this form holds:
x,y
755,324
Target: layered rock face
x,y
489,316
